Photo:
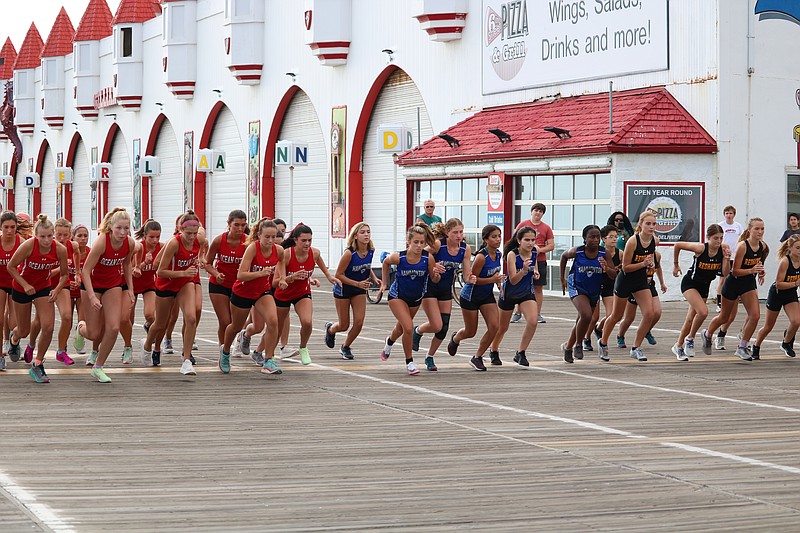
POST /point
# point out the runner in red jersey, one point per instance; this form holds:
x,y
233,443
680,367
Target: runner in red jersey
x,y
145,261
31,286
222,263
108,283
9,242
295,287
178,268
260,265
80,238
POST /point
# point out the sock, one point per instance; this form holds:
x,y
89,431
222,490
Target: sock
x,y
600,343
98,366
410,360
742,343
387,347
389,341
719,299
635,348
721,333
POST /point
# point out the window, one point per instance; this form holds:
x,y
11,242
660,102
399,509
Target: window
x,y
20,84
464,199
127,42
49,72
176,22
793,193
241,8
84,58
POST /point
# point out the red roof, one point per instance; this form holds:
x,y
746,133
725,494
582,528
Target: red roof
x,y
136,11
59,42
8,54
95,23
30,54
645,120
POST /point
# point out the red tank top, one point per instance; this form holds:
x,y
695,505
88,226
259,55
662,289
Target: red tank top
x,y
256,288
5,257
182,260
108,272
73,272
227,261
55,277
36,268
147,281
300,287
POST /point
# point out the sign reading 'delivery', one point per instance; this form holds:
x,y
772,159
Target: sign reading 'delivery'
x,y
529,43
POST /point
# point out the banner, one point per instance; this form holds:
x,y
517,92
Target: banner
x,y
137,185
188,170
95,187
254,172
547,42
338,172
680,207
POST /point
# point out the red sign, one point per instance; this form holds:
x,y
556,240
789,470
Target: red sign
x,y
309,14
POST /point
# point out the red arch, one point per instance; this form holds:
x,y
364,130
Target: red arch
x,y
37,192
268,176
199,193
67,191
150,150
105,157
355,177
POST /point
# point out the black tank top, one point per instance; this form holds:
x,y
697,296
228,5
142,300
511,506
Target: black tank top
x,y
704,267
639,255
615,260
792,273
751,258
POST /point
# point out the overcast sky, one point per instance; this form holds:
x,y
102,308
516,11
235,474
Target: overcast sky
x,y
18,15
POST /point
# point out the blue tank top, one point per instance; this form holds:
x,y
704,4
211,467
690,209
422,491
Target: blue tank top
x,y
525,286
472,292
586,275
449,262
357,270
410,280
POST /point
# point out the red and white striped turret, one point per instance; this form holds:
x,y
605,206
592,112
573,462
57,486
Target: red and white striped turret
x,y
443,20
244,40
28,60
328,30
128,50
95,26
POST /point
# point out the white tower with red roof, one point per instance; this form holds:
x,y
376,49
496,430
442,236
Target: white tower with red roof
x,y
56,49
95,25
180,47
127,55
28,60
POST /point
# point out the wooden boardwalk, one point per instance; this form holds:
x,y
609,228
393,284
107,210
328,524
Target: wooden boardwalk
x,y
708,445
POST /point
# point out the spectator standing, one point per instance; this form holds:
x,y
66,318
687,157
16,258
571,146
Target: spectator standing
x,y
428,217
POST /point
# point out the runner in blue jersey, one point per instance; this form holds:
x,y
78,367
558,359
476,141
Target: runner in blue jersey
x,y
452,253
478,296
518,290
415,266
584,285
608,234
355,273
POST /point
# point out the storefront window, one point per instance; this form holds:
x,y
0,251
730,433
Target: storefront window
x,y
793,193
464,199
563,188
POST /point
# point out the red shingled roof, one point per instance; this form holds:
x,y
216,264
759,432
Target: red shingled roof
x,y
31,50
136,11
8,54
59,42
645,120
95,23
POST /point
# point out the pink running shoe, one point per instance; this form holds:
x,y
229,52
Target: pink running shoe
x,y
28,354
62,357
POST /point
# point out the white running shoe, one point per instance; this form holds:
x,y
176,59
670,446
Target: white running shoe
x,y
146,357
243,343
679,352
187,369
719,343
688,347
168,346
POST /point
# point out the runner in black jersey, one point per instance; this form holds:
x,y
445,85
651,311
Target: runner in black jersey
x,y
748,269
711,259
783,294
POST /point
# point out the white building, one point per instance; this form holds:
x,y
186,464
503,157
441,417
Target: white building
x,y
704,102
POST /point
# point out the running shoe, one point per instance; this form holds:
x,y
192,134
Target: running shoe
x,y
494,358
145,356
258,358
168,346
38,374
387,350
743,353
412,368
271,367
477,363
2,362
568,358
621,342
516,317
452,346
520,359
346,353
756,352
13,351
191,359
6,344
127,355
706,342
194,347
100,375
92,359
577,351
146,327
330,338
156,355
587,345
62,357
305,358
79,342
787,348
243,343
224,362
598,333
679,352
540,319
430,365
688,347
636,353
650,338
719,343
415,338
28,356
187,369
602,351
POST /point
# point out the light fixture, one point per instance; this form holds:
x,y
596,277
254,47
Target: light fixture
x,y
112,115
218,91
503,136
452,141
390,54
561,133
43,132
160,106
292,75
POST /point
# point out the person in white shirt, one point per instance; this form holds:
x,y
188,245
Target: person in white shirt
x,y
732,231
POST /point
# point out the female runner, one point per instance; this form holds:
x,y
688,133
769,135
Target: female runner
x,y
614,259
146,257
222,264
80,239
9,242
107,273
711,259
